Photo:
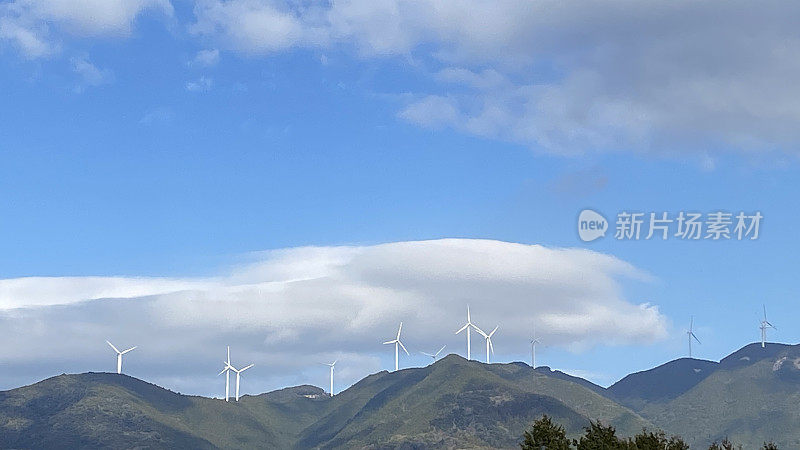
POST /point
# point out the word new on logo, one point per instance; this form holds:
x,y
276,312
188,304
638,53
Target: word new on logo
x,y
591,225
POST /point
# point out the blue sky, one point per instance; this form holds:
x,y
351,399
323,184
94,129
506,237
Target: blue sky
x,y
157,146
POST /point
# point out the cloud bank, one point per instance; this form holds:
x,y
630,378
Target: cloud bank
x,y
292,309
677,78
566,77
36,26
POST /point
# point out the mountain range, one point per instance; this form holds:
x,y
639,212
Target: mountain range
x,y
751,396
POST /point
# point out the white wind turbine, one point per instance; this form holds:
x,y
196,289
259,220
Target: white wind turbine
x,y
331,366
227,372
397,345
488,338
467,327
534,341
690,335
434,355
238,374
119,356
764,326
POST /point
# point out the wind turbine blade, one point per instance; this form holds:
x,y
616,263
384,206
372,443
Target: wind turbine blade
x,y
334,362
440,351
428,354
765,312
126,351
404,347
491,346
112,346
695,338
495,329
399,330
390,342
468,319
480,331
691,323
246,367
463,328
223,371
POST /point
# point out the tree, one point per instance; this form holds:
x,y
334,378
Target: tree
x,y
769,446
544,434
600,437
648,440
724,445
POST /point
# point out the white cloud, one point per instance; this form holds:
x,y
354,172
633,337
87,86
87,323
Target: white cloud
x,y
35,25
90,74
253,26
159,115
206,58
48,291
202,84
661,77
297,307
665,77
433,111
30,40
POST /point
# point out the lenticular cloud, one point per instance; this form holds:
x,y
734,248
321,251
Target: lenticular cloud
x,y
291,307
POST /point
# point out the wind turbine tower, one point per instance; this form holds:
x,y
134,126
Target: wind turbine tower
x,y
331,366
534,341
227,372
488,338
467,327
764,326
119,356
690,335
238,374
397,345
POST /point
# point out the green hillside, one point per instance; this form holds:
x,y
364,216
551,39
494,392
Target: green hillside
x,y
661,384
118,411
452,403
459,403
752,396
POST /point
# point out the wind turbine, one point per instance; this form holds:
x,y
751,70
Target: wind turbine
x,y
434,355
488,338
690,335
227,372
534,341
238,373
119,356
468,325
331,366
397,345
764,326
